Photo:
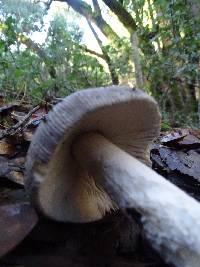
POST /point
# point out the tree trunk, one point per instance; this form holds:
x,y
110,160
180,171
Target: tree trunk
x,y
113,73
130,24
85,10
127,20
136,60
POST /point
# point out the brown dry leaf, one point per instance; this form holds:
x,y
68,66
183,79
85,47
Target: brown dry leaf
x,y
6,147
16,177
16,221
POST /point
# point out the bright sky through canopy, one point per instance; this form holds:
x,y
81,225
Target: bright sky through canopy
x,y
88,37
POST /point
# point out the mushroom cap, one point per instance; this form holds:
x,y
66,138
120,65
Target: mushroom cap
x,y
58,187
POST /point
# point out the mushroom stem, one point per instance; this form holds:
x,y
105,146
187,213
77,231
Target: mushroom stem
x,y
170,217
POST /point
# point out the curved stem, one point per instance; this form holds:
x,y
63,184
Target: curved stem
x,y
170,217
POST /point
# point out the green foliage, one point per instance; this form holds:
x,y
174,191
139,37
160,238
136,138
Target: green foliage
x,y
75,69
165,126
169,42
120,53
58,67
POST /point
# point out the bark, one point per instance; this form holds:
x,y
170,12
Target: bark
x,y
85,10
96,6
155,26
130,24
113,74
92,52
136,60
126,19
96,17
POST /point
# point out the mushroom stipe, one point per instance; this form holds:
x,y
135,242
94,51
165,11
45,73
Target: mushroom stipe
x,y
92,156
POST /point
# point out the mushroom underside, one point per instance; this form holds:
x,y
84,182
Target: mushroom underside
x,y
67,191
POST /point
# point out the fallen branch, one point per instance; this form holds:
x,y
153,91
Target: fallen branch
x,y
18,126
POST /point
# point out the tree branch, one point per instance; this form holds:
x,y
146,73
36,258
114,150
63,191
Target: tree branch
x,y
107,58
91,51
18,126
96,6
41,54
85,10
124,16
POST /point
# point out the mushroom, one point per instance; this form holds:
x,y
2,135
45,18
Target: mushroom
x,y
91,156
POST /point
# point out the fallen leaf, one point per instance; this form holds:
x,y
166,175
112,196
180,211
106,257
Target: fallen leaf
x,y
173,137
182,138
189,141
12,170
16,177
16,221
6,147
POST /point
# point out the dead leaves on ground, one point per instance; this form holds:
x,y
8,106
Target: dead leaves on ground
x,y
16,221
7,148
17,217
177,157
182,138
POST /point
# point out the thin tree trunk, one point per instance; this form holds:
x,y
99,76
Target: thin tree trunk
x,y
113,73
85,10
129,23
136,60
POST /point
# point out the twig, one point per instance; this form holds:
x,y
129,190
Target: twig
x,y
18,126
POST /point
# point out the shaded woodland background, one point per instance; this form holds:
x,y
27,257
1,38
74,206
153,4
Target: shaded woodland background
x,y
161,53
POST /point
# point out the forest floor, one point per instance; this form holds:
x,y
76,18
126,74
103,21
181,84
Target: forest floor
x,y
115,241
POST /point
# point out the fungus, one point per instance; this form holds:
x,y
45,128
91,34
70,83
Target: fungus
x,y
59,186
91,156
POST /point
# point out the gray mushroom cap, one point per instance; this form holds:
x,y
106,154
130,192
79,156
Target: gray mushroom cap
x,y
58,186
